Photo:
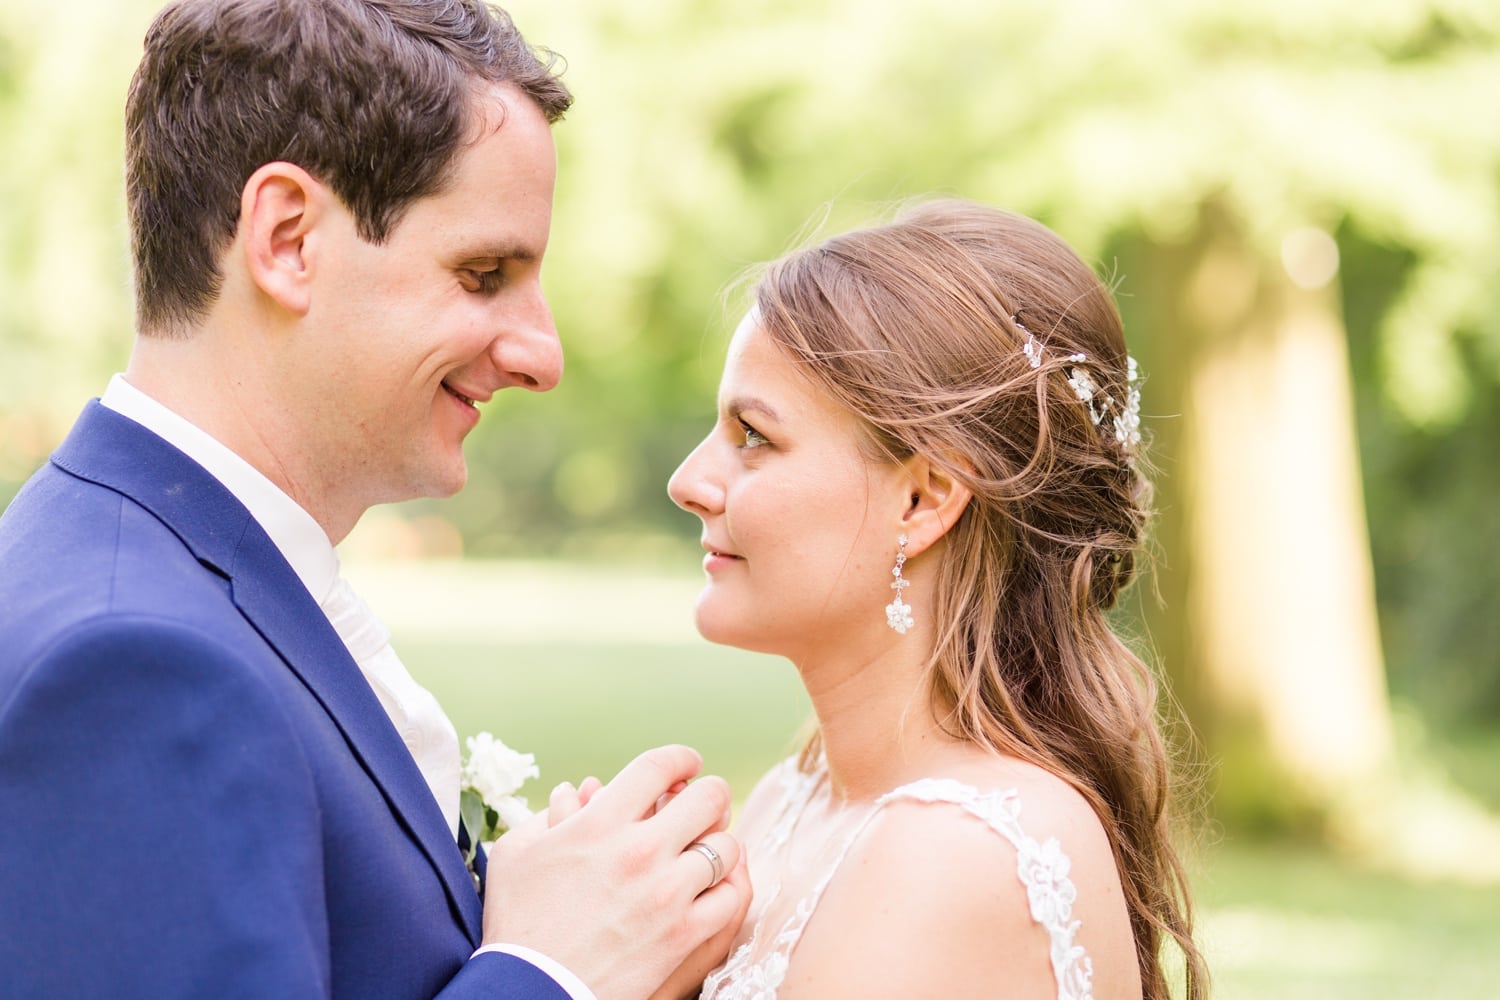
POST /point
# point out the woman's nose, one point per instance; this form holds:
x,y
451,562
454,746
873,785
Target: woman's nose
x,y
692,487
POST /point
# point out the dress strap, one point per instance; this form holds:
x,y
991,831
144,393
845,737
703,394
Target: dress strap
x,y
797,788
1042,869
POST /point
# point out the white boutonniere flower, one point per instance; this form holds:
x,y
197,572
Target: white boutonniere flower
x,y
491,776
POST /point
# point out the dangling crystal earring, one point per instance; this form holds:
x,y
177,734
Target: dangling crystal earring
x,y
898,613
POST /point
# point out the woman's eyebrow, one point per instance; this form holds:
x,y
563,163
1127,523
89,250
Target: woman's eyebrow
x,y
745,404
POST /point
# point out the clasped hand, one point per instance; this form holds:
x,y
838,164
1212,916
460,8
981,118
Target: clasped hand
x,y
608,882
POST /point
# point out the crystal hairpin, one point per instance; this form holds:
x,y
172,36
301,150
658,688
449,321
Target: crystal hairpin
x,y
1126,423
1032,349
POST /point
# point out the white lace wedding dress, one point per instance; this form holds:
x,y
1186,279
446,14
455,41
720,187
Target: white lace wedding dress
x,y
759,966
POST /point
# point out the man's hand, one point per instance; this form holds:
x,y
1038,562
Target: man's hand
x,y
687,979
611,890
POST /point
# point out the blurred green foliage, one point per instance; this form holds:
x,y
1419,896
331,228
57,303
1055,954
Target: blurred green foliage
x,y
709,136
1433,496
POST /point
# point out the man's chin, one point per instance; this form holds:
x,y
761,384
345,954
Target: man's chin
x,y
439,483
450,486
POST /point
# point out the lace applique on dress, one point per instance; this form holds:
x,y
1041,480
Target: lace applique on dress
x,y
1042,869
741,979
797,788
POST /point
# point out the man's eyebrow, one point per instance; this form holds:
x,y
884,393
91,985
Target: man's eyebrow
x,y
499,251
743,404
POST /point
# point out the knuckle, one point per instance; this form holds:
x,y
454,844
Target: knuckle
x,y
658,762
662,898
635,858
716,790
680,934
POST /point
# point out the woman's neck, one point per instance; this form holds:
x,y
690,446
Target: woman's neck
x,y
876,719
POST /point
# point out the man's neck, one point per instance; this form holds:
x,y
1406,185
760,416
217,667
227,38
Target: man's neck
x,y
233,403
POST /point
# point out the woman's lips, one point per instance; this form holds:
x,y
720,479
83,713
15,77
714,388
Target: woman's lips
x,y
717,559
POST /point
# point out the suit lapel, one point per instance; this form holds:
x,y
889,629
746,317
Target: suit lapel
x,y
271,596
113,451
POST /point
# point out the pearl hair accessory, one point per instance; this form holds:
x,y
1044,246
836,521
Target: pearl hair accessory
x,y
898,613
1125,421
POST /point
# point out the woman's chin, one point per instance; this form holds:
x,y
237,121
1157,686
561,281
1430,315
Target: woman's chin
x,y
729,627
718,632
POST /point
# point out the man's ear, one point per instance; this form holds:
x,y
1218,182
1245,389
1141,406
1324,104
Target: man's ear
x,y
935,500
279,206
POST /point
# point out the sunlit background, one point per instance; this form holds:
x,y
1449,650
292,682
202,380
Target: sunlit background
x,y
1299,201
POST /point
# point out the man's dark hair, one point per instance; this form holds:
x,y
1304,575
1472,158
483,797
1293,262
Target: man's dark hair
x,y
372,97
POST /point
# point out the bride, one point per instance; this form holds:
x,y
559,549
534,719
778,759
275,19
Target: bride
x,y
925,489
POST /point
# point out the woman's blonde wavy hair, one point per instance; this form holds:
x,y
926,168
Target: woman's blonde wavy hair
x,y
919,328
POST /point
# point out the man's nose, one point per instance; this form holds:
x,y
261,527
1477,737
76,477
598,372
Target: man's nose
x,y
527,349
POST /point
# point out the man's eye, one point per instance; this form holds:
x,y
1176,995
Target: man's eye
x,y
482,282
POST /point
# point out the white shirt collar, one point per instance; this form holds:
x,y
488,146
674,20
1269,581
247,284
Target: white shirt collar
x,y
300,538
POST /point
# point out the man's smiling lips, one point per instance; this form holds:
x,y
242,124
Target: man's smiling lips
x,y
467,398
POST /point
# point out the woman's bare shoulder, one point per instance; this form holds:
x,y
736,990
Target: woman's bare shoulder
x,y
932,901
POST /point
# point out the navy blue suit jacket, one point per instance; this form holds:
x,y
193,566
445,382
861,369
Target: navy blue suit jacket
x,y
199,793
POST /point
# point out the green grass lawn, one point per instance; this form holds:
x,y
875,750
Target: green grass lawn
x,y
1296,923
589,708
585,668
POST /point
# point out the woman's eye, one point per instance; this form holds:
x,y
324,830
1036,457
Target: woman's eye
x,y
753,437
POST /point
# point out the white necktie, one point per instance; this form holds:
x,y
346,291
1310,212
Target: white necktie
x,y
416,714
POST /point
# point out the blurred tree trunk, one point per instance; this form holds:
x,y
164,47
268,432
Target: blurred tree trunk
x,y
1268,628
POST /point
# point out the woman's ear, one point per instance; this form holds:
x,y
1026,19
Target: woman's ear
x,y
935,500
279,207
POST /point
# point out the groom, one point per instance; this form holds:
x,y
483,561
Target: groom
x,y
216,777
